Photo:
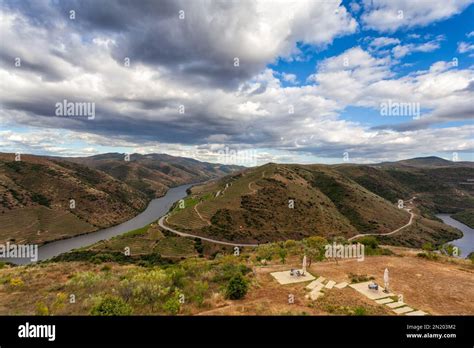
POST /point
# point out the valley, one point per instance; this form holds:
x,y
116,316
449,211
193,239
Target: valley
x,y
233,228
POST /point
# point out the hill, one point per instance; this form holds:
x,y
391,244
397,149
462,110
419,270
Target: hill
x,y
440,186
278,202
154,174
36,192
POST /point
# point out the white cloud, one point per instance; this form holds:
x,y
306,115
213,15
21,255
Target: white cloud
x,y
390,15
401,51
464,47
137,106
380,42
291,78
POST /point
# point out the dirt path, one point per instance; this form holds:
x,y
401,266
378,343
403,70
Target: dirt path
x,y
412,215
182,234
199,214
252,191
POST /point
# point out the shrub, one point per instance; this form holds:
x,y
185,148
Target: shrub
x,y
429,256
111,306
358,278
369,242
450,250
282,253
199,289
173,304
59,302
42,308
360,311
266,251
149,287
16,282
427,246
471,257
237,287
85,279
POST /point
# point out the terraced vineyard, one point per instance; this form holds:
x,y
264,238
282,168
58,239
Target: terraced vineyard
x,y
39,224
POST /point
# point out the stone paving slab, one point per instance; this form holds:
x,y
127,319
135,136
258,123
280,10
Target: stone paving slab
x,y
395,304
321,279
420,313
285,277
341,285
330,284
319,287
372,294
384,300
313,284
314,295
403,310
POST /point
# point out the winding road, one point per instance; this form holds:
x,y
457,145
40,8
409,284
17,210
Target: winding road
x,y
412,215
183,234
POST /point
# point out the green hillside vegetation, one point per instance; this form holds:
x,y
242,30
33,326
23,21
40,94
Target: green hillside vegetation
x,y
466,217
257,206
439,189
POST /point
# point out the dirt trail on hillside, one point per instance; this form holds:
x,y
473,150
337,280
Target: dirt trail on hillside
x,y
409,210
199,214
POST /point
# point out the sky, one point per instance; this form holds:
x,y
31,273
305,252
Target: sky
x,y
243,82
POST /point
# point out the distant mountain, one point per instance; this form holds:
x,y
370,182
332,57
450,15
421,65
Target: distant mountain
x,y
427,162
36,192
154,174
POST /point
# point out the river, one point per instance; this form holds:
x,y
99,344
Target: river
x,y
466,243
155,209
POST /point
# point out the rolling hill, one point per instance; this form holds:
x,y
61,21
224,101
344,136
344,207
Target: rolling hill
x,y
278,202
440,186
154,174
36,192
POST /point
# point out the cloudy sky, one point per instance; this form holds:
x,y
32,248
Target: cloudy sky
x,y
283,81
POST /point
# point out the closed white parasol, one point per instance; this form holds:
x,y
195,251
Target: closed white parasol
x,y
386,279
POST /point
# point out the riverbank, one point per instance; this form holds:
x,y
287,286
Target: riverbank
x,y
155,209
466,242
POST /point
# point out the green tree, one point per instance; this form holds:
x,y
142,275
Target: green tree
x,y
237,287
314,248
